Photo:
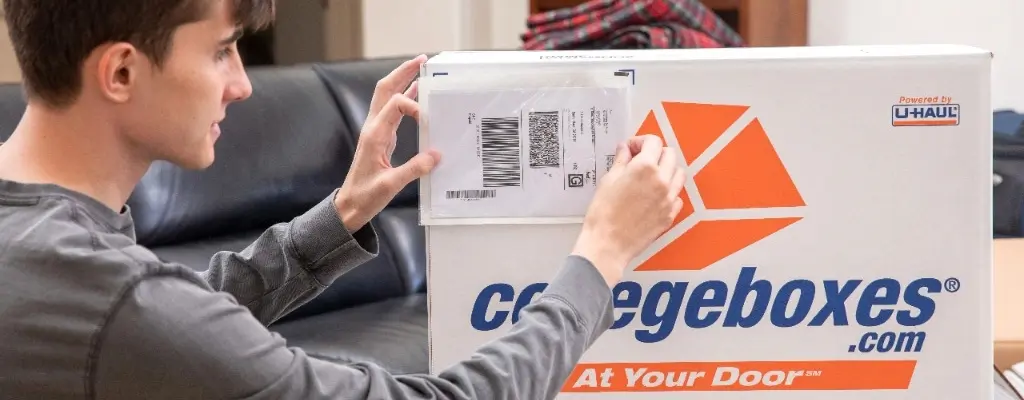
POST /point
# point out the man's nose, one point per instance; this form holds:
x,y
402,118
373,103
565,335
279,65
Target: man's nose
x,y
240,88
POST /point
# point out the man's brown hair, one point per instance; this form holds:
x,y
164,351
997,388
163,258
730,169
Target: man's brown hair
x,y
52,38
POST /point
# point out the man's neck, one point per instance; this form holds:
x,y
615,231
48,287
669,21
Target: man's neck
x,y
74,149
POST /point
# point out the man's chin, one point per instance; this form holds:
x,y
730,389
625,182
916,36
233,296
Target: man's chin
x,y
199,165
200,162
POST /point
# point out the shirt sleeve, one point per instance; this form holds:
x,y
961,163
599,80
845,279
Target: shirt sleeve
x,y
291,262
170,339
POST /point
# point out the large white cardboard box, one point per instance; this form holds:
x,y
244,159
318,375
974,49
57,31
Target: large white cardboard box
x,y
836,240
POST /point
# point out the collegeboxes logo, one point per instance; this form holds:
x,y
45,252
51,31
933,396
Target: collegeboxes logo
x,y
736,176
740,194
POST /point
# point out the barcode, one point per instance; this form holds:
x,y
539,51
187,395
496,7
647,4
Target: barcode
x,y
543,133
471,194
500,151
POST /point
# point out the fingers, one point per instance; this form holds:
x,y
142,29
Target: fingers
x,y
418,166
677,207
634,143
675,188
391,115
667,164
650,150
676,184
413,90
622,156
396,81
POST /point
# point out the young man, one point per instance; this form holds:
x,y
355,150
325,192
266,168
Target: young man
x,y
86,313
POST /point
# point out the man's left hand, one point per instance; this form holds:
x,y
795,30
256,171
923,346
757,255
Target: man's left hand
x,y
373,182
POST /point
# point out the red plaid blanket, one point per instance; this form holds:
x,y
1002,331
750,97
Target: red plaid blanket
x,y
629,24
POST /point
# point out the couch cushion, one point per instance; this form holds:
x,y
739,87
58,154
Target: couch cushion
x,y
399,270
281,151
400,227
197,254
352,83
391,334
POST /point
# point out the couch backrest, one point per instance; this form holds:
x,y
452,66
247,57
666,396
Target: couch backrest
x,y
281,151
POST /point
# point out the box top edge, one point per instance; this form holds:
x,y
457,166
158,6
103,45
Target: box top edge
x,y
708,54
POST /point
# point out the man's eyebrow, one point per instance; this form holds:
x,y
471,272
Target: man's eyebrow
x,y
237,34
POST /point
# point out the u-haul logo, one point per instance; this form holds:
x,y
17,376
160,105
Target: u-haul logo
x,y
926,114
739,192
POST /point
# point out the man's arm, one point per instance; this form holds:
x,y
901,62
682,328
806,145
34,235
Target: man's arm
x,y
171,339
291,262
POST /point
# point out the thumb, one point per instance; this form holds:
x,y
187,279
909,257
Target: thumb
x,y
416,167
622,156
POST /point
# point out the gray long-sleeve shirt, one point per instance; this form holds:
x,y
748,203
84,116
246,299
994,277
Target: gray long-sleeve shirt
x,y
86,313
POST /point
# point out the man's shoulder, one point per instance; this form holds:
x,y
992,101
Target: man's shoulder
x,y
59,231
62,275
54,246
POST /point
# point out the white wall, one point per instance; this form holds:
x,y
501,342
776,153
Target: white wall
x,y
508,21
995,25
409,27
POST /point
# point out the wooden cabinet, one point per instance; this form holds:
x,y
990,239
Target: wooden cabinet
x,y
9,69
759,22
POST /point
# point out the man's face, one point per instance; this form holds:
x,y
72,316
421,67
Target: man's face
x,y
175,110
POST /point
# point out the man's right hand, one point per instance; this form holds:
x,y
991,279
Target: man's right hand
x,y
635,202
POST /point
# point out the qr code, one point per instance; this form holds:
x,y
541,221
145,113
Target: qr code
x,y
544,145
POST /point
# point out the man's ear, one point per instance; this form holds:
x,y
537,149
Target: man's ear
x,y
117,71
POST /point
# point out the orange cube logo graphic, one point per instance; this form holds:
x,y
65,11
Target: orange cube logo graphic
x,y
727,173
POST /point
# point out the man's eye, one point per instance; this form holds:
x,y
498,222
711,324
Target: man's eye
x,y
224,53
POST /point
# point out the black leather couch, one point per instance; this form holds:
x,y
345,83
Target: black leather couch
x,y
282,151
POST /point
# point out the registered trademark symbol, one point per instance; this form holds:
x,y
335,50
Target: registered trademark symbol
x,y
952,285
